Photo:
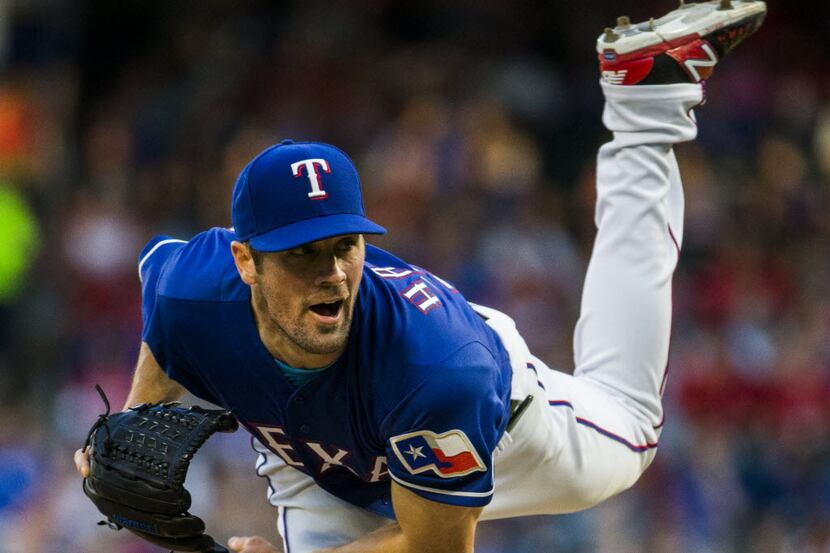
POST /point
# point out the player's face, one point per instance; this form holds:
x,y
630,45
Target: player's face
x,y
305,297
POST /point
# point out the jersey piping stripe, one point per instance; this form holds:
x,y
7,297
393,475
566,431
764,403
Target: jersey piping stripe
x,y
153,250
603,431
435,490
283,511
532,367
262,454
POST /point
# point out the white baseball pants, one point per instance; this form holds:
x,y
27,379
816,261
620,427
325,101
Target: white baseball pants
x,y
588,436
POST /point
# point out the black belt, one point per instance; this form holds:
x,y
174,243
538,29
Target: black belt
x,y
517,409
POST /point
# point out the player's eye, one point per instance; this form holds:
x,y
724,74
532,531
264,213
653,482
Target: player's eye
x,y
301,251
346,244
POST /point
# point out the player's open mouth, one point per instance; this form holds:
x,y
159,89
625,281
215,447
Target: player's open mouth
x,y
328,311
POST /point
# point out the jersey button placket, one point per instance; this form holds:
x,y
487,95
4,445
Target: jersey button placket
x,y
298,401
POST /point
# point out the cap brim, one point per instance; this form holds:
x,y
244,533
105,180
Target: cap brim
x,y
311,230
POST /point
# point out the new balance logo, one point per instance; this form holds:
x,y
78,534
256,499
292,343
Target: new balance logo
x,y
614,77
701,69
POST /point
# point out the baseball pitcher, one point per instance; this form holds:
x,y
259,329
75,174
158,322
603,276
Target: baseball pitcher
x,y
386,410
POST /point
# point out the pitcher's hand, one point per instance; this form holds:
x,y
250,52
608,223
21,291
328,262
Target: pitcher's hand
x,y
251,544
82,461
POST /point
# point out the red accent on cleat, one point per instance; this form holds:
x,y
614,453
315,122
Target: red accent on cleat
x,y
697,58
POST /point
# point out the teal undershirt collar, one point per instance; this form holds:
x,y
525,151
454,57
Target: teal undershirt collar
x,y
296,376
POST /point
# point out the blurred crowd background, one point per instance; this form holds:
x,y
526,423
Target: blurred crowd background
x,y
474,126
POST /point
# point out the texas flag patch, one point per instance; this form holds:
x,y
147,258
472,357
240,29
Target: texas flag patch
x,y
448,455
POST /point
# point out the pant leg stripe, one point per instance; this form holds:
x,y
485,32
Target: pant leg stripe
x,y
620,439
603,431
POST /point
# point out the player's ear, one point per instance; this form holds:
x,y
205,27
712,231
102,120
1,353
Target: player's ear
x,y
244,261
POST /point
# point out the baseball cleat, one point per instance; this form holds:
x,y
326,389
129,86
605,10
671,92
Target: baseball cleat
x,y
682,46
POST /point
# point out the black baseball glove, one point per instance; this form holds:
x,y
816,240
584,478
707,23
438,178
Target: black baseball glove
x,y
138,463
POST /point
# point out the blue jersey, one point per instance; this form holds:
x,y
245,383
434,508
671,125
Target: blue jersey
x,y
421,394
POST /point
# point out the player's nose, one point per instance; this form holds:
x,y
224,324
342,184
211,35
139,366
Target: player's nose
x,y
331,271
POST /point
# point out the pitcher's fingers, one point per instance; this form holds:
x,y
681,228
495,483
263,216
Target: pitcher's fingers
x,y
251,544
82,461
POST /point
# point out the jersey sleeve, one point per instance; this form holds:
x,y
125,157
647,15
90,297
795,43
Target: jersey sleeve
x,y
441,437
151,262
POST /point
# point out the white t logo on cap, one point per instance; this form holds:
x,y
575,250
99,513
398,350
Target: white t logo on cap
x,y
317,192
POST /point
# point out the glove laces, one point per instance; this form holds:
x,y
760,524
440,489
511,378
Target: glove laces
x,y
101,418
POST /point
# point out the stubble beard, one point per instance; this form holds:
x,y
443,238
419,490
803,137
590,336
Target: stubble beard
x,y
311,338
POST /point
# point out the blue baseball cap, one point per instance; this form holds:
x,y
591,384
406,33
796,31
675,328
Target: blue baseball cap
x,y
294,193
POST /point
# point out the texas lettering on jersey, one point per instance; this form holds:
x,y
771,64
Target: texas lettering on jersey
x,y
330,456
447,455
